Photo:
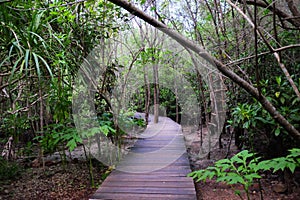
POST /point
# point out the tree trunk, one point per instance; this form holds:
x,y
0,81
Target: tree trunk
x,y
41,152
147,95
156,94
220,66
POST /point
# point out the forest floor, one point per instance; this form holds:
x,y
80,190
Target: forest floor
x,y
72,182
272,187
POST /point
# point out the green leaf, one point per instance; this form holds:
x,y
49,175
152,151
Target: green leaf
x,y
223,161
14,67
278,80
263,165
246,124
225,166
241,168
279,164
46,64
231,178
40,38
263,120
243,154
192,174
252,176
237,192
277,131
27,53
206,174
71,145
291,166
37,65
4,61
237,159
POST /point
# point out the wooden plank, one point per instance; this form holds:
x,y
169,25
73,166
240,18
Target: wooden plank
x,y
122,196
173,170
152,167
142,161
148,178
154,150
143,190
158,173
149,163
133,183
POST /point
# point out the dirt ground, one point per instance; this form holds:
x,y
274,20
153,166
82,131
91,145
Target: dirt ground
x,y
272,188
53,182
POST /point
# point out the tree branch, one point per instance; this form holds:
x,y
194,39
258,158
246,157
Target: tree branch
x,y
276,55
293,8
277,11
264,53
221,67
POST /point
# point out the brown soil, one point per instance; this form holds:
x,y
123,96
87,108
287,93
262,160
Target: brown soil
x,y
212,190
53,182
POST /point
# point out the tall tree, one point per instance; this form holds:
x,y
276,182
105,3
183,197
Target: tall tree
x,y
251,89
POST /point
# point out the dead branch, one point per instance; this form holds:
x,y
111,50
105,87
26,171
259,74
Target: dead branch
x,y
8,152
234,62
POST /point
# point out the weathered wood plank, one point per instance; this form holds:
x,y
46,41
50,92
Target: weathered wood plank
x,y
148,178
135,183
147,190
122,196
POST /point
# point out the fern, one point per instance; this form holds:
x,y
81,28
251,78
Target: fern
x,y
244,168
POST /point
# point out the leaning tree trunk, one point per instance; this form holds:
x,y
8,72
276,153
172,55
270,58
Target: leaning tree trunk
x,y
220,66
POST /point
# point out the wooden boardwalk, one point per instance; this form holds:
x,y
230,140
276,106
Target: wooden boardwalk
x,y
155,168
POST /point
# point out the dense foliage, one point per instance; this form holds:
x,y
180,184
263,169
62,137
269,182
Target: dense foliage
x,y
43,44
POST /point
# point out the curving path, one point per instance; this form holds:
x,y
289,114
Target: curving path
x,y
155,168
